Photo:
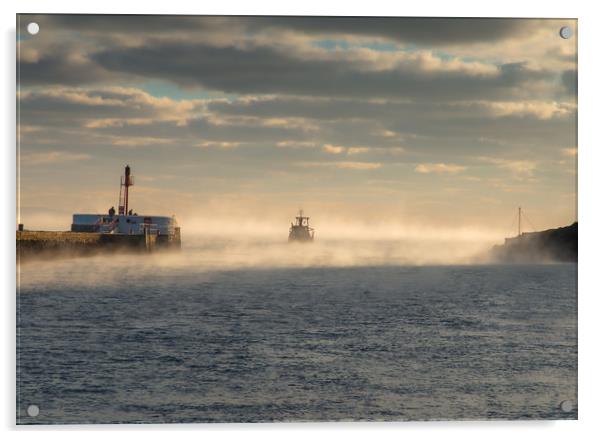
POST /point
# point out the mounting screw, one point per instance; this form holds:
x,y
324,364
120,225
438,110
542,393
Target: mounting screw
x,y
566,406
566,32
33,410
33,28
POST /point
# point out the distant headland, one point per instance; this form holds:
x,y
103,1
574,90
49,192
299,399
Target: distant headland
x,y
553,245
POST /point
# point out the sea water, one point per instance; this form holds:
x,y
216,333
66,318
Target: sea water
x,y
223,333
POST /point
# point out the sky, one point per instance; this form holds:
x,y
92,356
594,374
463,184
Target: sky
x,y
417,125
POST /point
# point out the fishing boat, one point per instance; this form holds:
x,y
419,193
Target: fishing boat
x,y
300,230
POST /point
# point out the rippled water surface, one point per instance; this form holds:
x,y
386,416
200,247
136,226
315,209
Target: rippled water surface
x,y
102,341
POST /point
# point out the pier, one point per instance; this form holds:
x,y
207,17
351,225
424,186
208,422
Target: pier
x,y
45,244
121,231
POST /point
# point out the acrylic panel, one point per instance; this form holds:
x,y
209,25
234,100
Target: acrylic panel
x,y
266,219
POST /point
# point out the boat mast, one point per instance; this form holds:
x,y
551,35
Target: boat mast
x,y
126,182
519,218
301,218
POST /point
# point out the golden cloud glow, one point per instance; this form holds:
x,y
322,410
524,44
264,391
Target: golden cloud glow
x,y
439,168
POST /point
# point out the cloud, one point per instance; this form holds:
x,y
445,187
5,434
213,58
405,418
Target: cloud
x,y
570,152
225,145
431,31
102,106
333,149
569,79
63,64
63,117
366,96
358,166
522,168
438,168
268,70
43,158
396,123
29,55
102,24
284,55
295,144
389,133
141,141
358,150
417,30
537,109
355,150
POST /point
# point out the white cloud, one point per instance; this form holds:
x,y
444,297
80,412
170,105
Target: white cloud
x,y
333,149
354,150
539,109
357,150
342,165
388,133
439,168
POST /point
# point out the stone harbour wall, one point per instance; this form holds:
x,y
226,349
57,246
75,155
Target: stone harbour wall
x,y
40,244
